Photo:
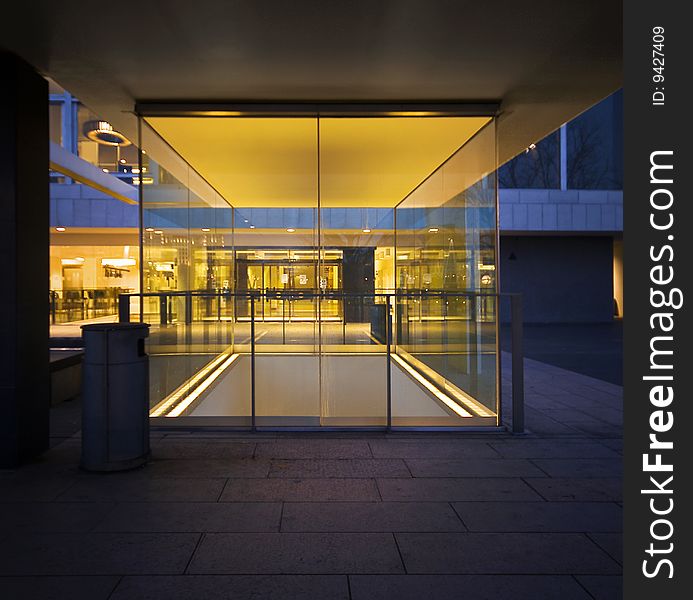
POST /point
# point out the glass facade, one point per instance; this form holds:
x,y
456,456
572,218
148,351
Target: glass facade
x,y
274,283
94,234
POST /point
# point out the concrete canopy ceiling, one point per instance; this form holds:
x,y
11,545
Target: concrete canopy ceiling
x,y
545,61
352,162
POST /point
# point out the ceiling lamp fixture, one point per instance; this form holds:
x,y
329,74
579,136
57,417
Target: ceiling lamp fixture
x,y
60,229
432,230
102,132
205,229
366,230
290,229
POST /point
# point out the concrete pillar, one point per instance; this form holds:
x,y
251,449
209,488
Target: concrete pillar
x,y
24,206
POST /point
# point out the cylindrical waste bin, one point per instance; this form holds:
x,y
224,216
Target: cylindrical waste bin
x,y
115,396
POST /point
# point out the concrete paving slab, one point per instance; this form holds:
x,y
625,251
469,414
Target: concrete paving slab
x,y
300,490
466,587
449,489
58,588
581,467
370,516
96,553
193,517
602,587
298,553
571,489
122,488
541,516
503,553
473,467
318,448
233,587
344,468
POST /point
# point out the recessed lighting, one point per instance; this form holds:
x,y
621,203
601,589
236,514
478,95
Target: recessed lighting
x,y
432,230
158,231
60,229
205,229
252,226
290,229
366,230
149,229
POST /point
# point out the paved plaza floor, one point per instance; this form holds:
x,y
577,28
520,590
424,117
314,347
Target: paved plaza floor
x,y
219,515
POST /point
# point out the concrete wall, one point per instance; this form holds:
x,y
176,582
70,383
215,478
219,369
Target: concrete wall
x,y
563,279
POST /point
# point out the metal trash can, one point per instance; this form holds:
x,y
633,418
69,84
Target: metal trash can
x,y
115,396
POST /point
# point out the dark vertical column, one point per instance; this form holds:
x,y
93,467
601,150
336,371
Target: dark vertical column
x,y
24,206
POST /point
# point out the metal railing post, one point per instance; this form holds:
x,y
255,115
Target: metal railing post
x,y
188,308
388,338
123,308
518,375
163,309
252,362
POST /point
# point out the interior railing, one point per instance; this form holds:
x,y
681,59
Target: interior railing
x,y
445,342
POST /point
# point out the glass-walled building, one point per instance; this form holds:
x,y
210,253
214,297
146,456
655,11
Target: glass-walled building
x,y
290,262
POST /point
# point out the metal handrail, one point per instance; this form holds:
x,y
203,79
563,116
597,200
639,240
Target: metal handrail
x,y
517,362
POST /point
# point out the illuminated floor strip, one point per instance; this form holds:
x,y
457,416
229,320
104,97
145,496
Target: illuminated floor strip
x,y
449,402
178,410
169,406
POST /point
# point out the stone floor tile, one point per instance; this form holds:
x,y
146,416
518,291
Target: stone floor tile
x,y
603,587
369,516
553,449
298,553
212,467
121,488
503,553
465,587
432,449
57,588
193,516
96,553
473,467
599,489
23,486
611,543
581,467
233,587
541,516
300,490
345,468
52,517
196,449
449,489
317,448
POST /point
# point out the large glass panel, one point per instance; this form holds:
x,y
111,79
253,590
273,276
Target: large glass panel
x,y
187,278
445,322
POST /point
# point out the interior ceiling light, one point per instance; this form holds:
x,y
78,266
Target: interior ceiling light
x,y
433,230
366,230
118,262
102,132
290,229
149,229
61,229
205,229
122,161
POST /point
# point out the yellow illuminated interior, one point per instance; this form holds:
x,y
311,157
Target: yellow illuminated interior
x,y
273,162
